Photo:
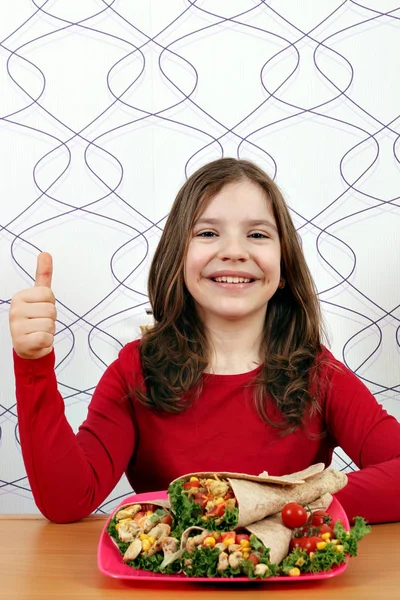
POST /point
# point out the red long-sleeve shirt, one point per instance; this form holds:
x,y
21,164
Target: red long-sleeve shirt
x,y
71,475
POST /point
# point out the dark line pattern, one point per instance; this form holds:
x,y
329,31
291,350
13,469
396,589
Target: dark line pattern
x,y
187,27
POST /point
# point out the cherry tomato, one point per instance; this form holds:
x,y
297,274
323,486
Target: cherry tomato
x,y
319,517
191,484
294,515
254,559
324,528
310,543
296,542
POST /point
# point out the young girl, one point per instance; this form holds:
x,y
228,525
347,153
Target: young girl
x,y
232,377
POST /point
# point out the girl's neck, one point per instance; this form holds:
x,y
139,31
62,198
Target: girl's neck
x,y
234,347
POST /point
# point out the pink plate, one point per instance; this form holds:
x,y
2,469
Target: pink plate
x,y
110,563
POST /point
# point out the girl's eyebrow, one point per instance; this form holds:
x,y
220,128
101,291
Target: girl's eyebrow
x,y
249,223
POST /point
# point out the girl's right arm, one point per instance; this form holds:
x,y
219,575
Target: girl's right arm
x,y
70,475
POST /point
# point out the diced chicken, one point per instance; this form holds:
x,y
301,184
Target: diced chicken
x,y
219,488
235,559
230,503
133,550
260,570
196,540
159,532
127,531
169,545
128,511
220,546
223,563
147,525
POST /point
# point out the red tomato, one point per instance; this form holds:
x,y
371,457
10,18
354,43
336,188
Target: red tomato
x,y
200,499
307,543
310,543
254,559
319,517
166,519
227,535
296,542
294,515
325,529
242,536
218,510
191,484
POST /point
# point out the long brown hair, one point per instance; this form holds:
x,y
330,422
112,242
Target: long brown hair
x,y
175,352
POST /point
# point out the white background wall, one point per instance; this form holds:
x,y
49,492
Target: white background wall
x,y
107,106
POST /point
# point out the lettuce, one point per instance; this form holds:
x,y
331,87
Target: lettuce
x,y
188,513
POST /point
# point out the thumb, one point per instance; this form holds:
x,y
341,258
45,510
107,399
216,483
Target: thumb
x,y
44,269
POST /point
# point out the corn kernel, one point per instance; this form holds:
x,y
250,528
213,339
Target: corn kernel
x,y
245,543
326,536
321,545
146,545
311,555
117,526
209,541
143,536
334,542
229,541
149,513
300,562
339,548
295,572
246,555
194,479
219,500
151,539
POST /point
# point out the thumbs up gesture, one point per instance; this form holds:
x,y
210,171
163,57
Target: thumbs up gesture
x,y
33,314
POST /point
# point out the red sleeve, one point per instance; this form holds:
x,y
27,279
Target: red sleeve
x,y
70,475
371,438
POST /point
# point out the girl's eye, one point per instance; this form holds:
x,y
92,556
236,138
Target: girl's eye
x,y
206,234
258,235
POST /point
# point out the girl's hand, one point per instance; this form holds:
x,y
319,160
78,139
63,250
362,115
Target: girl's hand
x,y
33,314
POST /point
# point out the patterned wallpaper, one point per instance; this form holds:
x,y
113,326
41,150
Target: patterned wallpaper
x,y
106,107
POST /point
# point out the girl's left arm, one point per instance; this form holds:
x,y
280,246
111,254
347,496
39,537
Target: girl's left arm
x,y
371,438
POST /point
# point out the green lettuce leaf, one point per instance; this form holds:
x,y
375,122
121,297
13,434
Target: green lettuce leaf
x,y
188,513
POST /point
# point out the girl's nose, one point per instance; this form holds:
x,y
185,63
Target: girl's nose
x,y
233,249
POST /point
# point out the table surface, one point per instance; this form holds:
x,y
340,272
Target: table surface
x,y
40,560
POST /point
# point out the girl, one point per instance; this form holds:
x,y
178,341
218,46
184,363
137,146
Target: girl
x,y
232,377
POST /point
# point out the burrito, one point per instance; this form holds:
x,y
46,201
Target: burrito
x,y
141,532
224,501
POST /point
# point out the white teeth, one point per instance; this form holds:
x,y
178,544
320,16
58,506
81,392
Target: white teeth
x,y
231,280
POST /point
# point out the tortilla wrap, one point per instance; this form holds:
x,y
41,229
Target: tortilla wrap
x,y
256,501
276,536
297,478
162,503
261,496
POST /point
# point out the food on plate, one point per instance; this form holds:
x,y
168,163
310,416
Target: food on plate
x,y
238,525
223,501
225,554
141,532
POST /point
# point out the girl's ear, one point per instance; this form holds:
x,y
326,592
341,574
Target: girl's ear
x,y
282,283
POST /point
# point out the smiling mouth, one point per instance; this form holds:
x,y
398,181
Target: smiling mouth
x,y
232,280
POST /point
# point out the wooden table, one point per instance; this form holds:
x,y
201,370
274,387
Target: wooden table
x,y
42,560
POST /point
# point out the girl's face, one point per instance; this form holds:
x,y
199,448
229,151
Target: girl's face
x,y
232,266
